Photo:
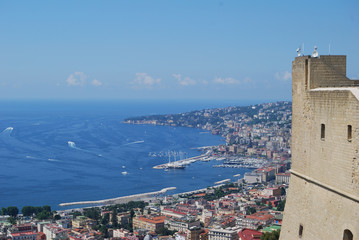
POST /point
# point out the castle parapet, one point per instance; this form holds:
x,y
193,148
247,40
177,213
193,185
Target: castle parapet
x,y
325,71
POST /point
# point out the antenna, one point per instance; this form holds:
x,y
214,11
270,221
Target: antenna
x,y
329,48
303,49
315,52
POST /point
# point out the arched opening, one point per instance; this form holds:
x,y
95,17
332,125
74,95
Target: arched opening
x,y
348,235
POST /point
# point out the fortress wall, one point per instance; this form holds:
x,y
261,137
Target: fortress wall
x,y
322,213
301,115
331,158
323,195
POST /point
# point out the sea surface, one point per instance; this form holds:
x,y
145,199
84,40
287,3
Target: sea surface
x,y
55,152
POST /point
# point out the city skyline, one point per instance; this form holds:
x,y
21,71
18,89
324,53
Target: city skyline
x,y
166,50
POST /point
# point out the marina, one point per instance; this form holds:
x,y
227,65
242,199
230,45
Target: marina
x,y
228,162
242,162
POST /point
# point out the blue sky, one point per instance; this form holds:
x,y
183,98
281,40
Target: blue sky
x,y
225,50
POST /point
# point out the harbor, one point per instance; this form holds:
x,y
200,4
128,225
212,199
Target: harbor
x,y
228,162
242,162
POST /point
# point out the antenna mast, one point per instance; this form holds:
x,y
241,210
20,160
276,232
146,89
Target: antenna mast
x,y
303,49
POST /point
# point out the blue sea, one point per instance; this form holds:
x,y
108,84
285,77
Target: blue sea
x,y
64,151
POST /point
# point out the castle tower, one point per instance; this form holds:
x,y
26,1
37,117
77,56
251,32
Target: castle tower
x,y
323,198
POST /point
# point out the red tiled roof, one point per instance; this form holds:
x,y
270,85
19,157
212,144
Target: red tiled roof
x,y
174,211
260,216
158,219
249,234
23,233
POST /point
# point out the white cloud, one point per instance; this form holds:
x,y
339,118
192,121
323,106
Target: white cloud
x,y
144,80
226,81
247,80
204,82
76,79
284,76
96,83
186,81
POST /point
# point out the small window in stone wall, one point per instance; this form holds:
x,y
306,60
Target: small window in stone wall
x,y
349,133
300,230
322,131
348,235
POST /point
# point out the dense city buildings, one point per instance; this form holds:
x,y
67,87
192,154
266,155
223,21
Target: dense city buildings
x,y
257,131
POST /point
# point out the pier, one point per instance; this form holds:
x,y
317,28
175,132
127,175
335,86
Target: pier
x,y
180,163
223,181
117,200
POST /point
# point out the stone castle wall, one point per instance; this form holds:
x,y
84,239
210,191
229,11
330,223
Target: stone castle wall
x,y
323,198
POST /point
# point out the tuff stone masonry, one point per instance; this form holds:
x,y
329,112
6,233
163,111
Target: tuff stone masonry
x,y
323,198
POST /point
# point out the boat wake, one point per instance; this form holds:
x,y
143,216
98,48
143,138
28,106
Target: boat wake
x,y
42,159
7,131
73,146
136,142
53,160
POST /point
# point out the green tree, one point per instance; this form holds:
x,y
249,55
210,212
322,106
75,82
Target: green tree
x,y
57,217
46,208
104,230
251,210
27,210
93,213
105,220
114,218
3,211
271,236
129,227
11,220
43,215
281,205
12,211
76,214
163,231
38,210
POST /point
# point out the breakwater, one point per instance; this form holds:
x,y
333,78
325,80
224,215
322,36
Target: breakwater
x,y
118,200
